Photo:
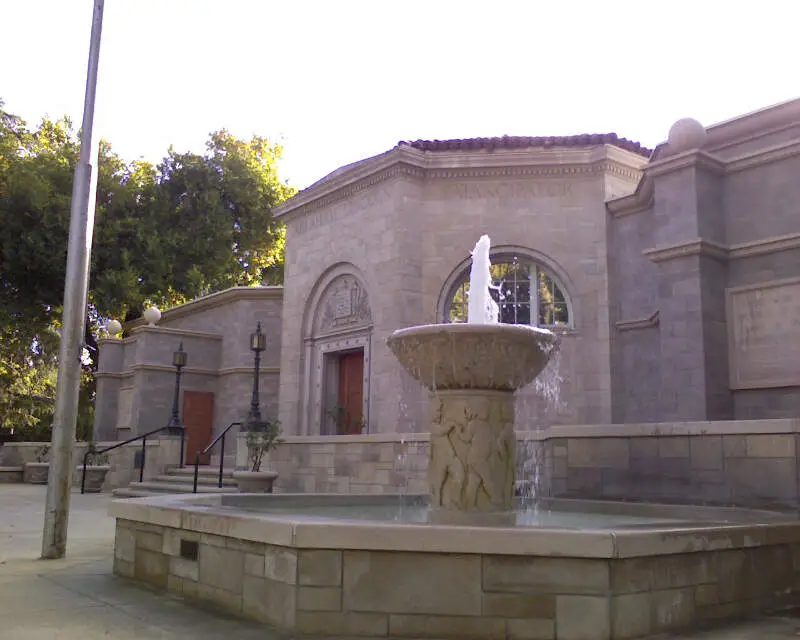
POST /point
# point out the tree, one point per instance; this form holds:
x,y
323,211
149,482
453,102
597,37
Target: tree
x,y
192,225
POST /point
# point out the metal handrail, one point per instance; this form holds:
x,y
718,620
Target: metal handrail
x,y
221,436
143,437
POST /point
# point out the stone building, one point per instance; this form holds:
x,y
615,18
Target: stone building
x,y
672,275
136,379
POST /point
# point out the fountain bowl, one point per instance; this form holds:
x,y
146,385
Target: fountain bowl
x,y
502,357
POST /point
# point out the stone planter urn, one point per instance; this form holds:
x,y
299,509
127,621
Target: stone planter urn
x,y
262,437
36,472
95,477
255,481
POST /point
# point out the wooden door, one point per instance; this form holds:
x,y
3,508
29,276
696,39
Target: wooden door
x,y
351,392
198,419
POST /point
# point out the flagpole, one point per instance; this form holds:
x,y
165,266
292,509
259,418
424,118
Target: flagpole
x,y
79,249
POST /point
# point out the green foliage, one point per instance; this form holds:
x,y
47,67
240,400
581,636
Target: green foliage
x,y
42,454
165,234
95,459
262,437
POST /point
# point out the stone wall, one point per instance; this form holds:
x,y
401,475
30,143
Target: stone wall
x,y
709,226
739,463
379,463
161,453
393,221
136,378
645,584
746,463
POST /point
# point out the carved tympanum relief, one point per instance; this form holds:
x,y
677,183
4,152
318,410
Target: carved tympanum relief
x,y
344,304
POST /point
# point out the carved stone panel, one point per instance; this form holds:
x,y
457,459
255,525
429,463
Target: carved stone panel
x,y
125,407
344,304
472,451
764,334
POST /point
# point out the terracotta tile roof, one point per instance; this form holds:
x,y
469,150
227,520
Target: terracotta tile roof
x,y
521,142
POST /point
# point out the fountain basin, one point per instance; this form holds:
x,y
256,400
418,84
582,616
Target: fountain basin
x,y
472,371
502,357
274,558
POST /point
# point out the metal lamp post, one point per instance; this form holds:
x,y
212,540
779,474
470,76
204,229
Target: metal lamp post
x,y
179,359
258,343
76,284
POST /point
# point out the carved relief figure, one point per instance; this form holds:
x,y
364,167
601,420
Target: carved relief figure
x,y
344,303
471,452
446,469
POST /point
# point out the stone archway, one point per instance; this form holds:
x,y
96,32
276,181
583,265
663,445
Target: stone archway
x,y
338,346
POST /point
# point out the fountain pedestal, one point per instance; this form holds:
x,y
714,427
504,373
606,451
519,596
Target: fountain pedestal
x,y
472,456
472,371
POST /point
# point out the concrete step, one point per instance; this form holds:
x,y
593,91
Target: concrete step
x,y
173,487
202,472
202,480
127,492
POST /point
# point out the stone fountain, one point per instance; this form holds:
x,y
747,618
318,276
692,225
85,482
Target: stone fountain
x,y
365,565
472,371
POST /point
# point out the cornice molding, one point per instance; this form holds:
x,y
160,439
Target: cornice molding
x,y
761,157
350,331
722,146
754,124
478,165
763,247
696,247
146,328
248,371
639,323
234,294
640,200
119,375
741,251
694,158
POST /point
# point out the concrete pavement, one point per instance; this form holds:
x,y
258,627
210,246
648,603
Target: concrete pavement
x,y
78,598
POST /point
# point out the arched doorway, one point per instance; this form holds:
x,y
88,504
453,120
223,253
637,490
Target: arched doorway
x,y
338,352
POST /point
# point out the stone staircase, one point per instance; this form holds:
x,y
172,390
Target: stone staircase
x,y
177,480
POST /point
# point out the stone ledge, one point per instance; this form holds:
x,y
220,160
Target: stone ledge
x,y
667,429
207,514
645,429
11,474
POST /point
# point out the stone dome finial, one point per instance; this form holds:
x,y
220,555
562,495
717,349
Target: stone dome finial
x,y
686,134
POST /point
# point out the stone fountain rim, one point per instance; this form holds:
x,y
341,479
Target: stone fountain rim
x,y
207,513
473,328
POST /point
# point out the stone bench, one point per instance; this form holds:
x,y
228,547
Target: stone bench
x,y
11,474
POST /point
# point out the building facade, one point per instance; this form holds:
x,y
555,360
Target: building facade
x,y
672,277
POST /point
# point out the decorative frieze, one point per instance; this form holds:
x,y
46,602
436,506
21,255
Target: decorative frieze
x,y
411,163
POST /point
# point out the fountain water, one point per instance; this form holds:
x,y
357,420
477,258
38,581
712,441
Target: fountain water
x,y
481,308
472,371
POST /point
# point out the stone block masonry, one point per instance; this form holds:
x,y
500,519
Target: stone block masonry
x,y
750,464
743,463
642,588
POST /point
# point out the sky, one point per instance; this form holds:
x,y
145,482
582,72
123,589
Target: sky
x,y
338,80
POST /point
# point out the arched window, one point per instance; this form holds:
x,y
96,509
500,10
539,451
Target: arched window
x,y
524,291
